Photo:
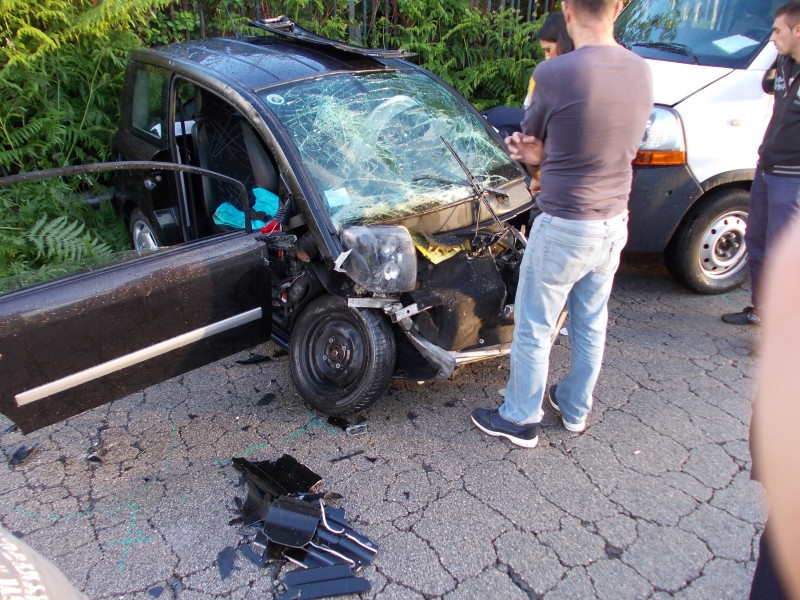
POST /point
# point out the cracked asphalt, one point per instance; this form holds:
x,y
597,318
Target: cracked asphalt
x,y
654,500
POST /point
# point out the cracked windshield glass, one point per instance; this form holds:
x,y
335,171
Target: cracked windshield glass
x,y
372,143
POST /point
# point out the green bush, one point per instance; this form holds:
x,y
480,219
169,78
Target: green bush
x,y
47,224
61,69
61,73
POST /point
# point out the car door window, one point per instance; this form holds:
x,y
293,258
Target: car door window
x,y
149,95
212,134
58,226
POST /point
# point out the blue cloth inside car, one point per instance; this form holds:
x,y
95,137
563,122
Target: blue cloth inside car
x,y
265,201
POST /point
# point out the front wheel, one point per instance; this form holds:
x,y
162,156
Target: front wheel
x,y
708,254
341,358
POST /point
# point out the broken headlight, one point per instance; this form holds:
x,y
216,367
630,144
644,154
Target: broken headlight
x,y
380,258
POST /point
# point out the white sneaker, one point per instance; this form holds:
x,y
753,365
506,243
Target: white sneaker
x,y
573,427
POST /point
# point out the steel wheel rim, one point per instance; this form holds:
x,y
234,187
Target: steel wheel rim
x,y
723,251
143,237
335,355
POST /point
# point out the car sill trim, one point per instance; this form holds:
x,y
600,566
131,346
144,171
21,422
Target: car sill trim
x,y
128,360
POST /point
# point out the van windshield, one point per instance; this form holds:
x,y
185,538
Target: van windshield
x,y
717,33
373,143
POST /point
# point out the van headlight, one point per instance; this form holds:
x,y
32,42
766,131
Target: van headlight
x,y
664,143
380,258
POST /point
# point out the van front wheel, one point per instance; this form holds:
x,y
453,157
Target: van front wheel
x,y
708,254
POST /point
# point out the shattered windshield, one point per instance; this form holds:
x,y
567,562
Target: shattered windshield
x,y
372,143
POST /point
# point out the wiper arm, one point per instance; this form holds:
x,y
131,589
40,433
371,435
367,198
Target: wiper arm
x,y
480,191
670,47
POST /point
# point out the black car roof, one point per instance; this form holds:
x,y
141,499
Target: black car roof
x,y
259,61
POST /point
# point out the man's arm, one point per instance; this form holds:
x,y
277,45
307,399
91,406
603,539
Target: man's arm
x,y
776,408
528,150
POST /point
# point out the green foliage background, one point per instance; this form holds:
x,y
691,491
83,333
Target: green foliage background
x,y
62,65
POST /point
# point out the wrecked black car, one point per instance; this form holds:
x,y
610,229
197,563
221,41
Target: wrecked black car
x,y
378,233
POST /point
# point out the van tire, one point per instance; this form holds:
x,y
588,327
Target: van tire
x,y
708,254
341,358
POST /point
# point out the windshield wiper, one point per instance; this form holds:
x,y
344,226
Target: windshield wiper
x,y
480,192
670,47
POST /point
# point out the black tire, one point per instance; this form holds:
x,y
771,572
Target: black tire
x,y
708,254
143,235
341,358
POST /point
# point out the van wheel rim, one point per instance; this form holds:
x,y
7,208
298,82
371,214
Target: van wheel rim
x,y
723,251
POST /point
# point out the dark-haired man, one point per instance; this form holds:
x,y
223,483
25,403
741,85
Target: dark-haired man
x,y
584,125
775,195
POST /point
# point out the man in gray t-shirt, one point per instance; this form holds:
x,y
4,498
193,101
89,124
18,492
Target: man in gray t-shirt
x,y
583,128
590,109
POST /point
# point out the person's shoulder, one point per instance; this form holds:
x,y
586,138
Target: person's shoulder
x,y
634,61
622,53
546,69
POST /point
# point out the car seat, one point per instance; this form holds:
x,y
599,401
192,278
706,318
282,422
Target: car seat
x,y
226,143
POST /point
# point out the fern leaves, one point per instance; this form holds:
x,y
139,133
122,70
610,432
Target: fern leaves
x,y
64,240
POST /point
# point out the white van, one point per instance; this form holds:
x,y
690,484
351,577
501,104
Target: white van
x,y
693,173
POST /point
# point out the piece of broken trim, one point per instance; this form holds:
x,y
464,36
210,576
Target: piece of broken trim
x,y
337,265
320,582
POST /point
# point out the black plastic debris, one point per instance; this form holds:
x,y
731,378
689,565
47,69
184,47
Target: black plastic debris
x,y
290,521
346,456
226,561
21,455
319,582
253,359
176,585
339,422
257,550
266,399
288,527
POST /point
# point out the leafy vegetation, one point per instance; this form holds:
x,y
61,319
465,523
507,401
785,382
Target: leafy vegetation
x,y
50,224
62,66
61,69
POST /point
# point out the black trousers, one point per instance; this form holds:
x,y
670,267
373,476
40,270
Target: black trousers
x,y
766,583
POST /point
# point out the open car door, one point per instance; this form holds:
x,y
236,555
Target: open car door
x,y
76,341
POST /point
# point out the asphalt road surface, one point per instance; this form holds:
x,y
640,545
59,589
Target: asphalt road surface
x,y
654,500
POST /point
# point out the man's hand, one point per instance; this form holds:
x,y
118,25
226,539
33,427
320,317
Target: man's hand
x,y
536,185
525,148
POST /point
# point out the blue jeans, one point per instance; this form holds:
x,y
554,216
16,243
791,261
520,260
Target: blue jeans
x,y
572,262
774,201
